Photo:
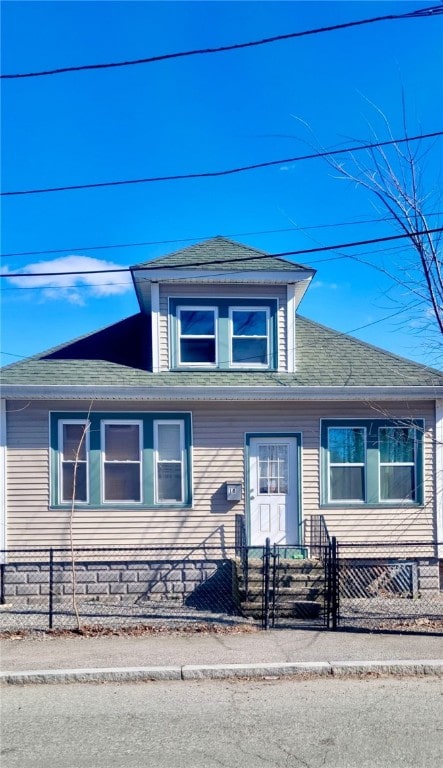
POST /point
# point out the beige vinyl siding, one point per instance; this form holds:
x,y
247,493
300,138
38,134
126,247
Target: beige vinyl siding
x,y
218,456
221,291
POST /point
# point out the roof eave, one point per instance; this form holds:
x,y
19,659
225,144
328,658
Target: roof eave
x,y
221,275
208,393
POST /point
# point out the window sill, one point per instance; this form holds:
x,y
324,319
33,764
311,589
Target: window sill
x,y
372,505
218,369
118,507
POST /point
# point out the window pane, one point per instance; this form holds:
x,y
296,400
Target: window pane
x,y
197,350
198,322
122,482
396,444
168,438
250,351
68,482
397,482
72,436
169,482
122,442
346,445
347,484
273,469
249,323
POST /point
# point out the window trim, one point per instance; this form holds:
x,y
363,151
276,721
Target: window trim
x,y
60,460
398,464
94,473
129,422
363,464
215,336
180,423
223,354
372,461
232,336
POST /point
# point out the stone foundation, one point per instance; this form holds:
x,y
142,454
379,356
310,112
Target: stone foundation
x,y
199,583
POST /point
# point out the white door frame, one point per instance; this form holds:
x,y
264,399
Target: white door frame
x,y
297,469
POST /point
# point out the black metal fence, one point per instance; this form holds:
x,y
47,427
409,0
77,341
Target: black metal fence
x,y
116,586
286,586
382,586
321,583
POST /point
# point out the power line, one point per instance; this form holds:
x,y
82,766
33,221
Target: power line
x,y
226,171
78,286
204,237
338,337
419,13
304,251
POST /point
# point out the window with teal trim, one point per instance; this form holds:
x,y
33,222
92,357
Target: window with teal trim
x,y
223,333
120,459
372,462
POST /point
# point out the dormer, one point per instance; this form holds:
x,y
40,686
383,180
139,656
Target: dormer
x,y
220,305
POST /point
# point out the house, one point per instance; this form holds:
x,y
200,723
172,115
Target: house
x,y
218,402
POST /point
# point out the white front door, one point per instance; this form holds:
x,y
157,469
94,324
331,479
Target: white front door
x,y
273,506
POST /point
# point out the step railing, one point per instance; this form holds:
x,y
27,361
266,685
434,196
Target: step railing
x,y
319,538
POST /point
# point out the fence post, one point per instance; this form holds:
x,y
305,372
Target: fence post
x,y
334,582
275,555
2,584
51,588
266,566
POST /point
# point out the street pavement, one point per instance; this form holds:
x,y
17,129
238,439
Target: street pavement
x,y
273,652
334,723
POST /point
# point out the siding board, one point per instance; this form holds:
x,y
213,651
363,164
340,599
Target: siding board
x,y
218,456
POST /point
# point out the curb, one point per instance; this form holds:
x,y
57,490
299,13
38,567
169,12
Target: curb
x,y
226,671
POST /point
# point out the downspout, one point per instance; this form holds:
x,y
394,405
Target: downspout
x,y
3,517
439,473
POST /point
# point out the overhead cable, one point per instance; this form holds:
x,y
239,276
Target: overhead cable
x,y
419,13
294,228
215,262
225,172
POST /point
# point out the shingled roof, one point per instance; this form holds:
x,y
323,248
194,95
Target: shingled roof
x,y
222,254
117,357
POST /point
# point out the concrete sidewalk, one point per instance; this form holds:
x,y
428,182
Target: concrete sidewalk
x,y
173,656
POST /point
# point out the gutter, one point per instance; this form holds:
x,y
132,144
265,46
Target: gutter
x,y
208,393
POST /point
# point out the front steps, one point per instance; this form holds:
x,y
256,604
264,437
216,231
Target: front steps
x,y
297,590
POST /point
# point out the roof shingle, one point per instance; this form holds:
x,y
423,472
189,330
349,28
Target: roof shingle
x,y
222,254
116,356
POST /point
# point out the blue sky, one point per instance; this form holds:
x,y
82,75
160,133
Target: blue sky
x,y
198,114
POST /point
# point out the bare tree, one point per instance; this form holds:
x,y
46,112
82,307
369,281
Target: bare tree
x,y
77,455
394,178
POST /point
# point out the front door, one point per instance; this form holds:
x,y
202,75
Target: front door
x,y
273,506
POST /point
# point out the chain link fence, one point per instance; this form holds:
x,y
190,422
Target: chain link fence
x,y
359,586
390,586
116,587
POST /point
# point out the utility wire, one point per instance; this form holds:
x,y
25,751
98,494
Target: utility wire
x,y
419,13
148,267
203,237
338,336
78,286
226,171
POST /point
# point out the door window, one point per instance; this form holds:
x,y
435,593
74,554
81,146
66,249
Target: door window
x,y
273,469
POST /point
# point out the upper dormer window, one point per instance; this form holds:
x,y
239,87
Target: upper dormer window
x,y
223,333
250,335
197,331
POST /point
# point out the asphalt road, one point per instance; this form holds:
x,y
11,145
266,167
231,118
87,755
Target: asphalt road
x,y
376,723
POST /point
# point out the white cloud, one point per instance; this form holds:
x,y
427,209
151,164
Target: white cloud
x,y
73,288
327,286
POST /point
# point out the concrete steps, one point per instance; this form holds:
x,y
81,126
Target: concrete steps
x,y
299,587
